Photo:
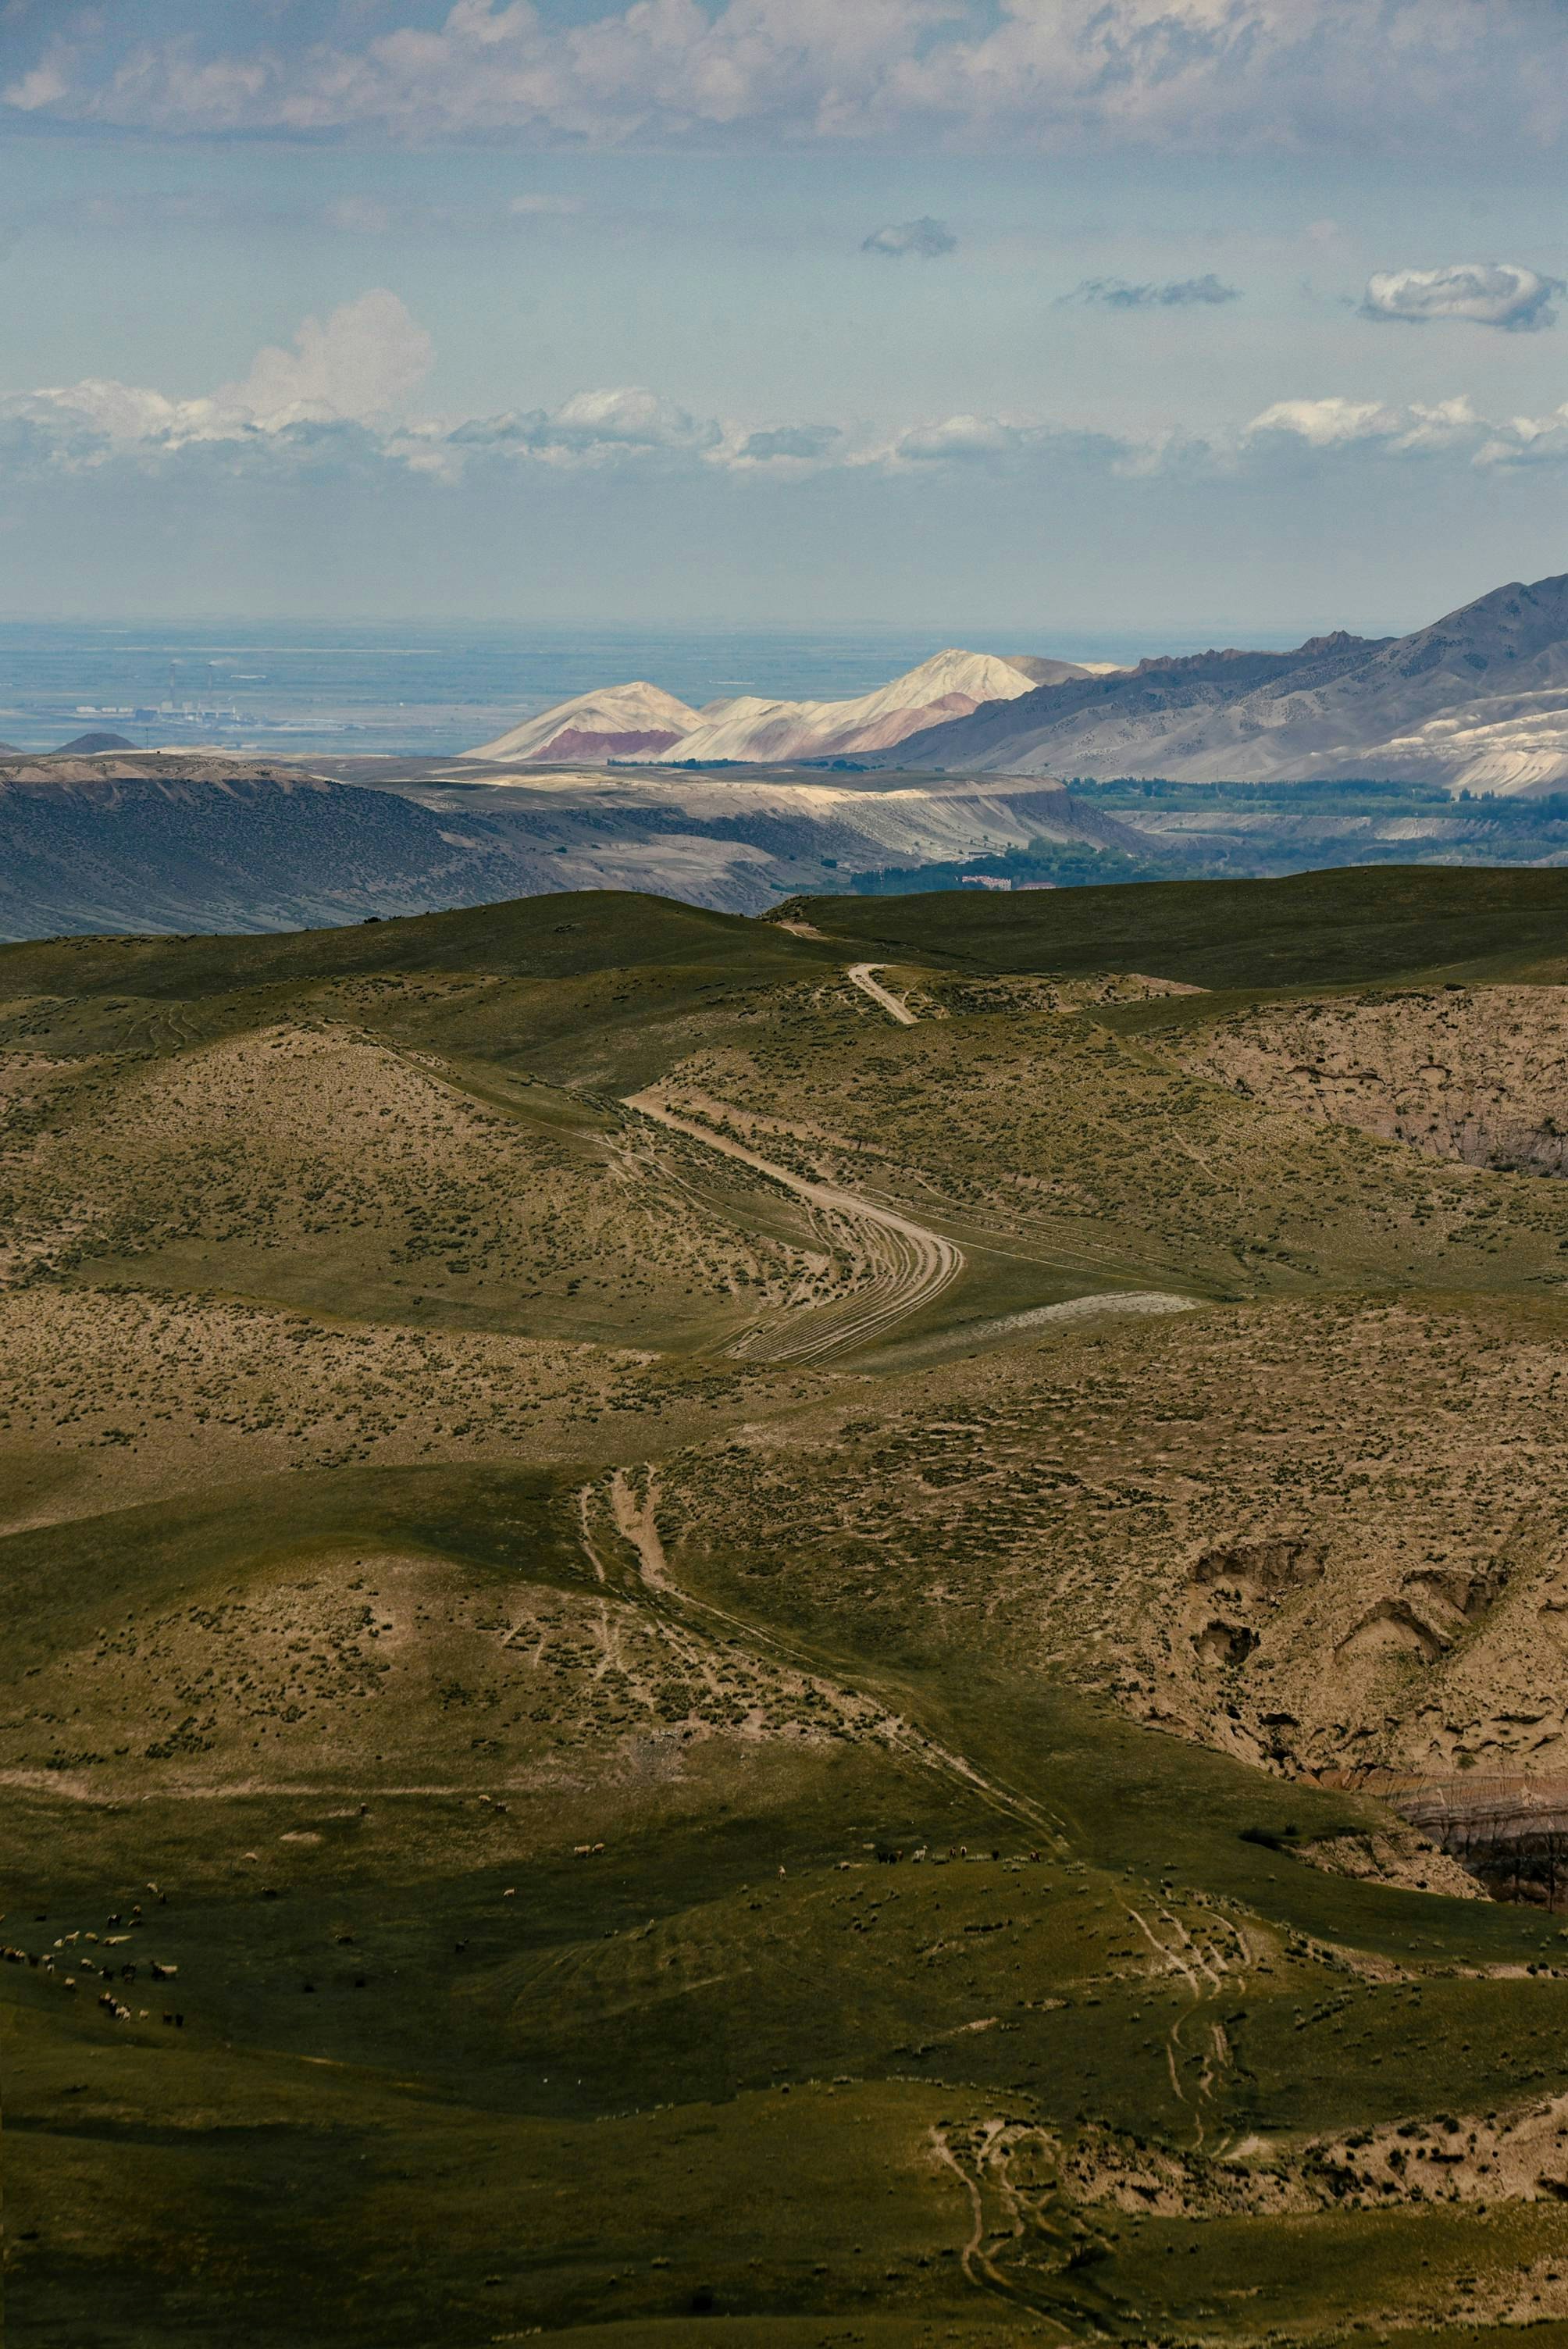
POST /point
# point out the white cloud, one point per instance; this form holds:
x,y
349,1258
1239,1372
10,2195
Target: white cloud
x,y
633,419
121,411
959,437
1027,73
1326,423
1438,427
544,207
351,367
47,85
928,239
358,362
1182,294
1527,441
988,441
794,443
594,427
1486,293
359,215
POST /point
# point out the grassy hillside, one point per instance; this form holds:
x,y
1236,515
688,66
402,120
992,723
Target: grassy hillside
x,y
538,938
1044,1137
1354,923
686,1660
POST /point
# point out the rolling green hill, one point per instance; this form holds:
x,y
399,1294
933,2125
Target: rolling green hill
x,y
718,1632
1353,925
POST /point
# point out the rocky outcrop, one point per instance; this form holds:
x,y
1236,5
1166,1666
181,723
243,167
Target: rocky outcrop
x,y
1478,1074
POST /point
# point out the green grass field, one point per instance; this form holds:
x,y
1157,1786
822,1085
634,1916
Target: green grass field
x,y
537,1806
1353,926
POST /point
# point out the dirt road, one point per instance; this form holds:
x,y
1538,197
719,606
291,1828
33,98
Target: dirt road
x,y
908,1265
859,974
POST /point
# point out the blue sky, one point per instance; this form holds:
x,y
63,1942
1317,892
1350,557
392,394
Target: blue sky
x,y
1152,315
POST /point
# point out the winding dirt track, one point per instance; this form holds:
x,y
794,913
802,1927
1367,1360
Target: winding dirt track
x,y
859,974
909,1265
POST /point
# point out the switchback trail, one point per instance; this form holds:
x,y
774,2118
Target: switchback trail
x,y
909,1264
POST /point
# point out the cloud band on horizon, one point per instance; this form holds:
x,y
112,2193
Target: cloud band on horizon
x,y
340,393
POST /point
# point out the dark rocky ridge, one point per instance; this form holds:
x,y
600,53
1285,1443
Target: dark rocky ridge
x,y
242,850
160,841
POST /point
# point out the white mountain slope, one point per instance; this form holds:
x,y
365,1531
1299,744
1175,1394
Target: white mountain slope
x,y
641,721
950,685
615,721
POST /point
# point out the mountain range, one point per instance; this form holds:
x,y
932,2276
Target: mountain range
x,y
745,801
641,721
1477,701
